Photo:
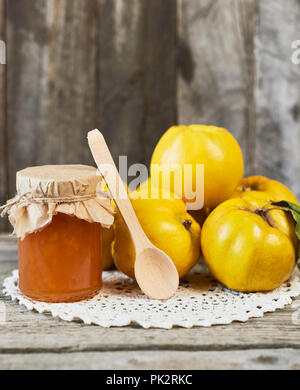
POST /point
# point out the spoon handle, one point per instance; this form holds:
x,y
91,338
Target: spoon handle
x,y
109,171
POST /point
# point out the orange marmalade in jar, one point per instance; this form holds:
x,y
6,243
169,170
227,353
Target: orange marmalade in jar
x,y
57,216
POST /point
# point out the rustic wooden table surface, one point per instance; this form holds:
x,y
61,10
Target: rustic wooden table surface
x,y
30,340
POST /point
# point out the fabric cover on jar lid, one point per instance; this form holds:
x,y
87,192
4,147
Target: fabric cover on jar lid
x,y
44,191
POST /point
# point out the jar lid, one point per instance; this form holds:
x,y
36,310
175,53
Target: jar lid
x,y
58,181
45,191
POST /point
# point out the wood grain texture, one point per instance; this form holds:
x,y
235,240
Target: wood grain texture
x,y
127,67
120,91
137,91
29,332
217,72
51,82
31,340
3,120
79,65
278,93
8,248
271,359
158,50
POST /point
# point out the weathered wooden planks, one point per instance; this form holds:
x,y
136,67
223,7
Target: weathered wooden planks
x,y
237,72
127,67
120,102
31,340
270,359
38,341
51,82
278,93
137,90
275,330
158,50
78,65
217,72
8,248
3,120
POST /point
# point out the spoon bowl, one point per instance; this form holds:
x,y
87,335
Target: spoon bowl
x,y
156,273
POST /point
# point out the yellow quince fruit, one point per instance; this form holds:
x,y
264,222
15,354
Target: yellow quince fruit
x,y
250,245
167,224
263,187
107,237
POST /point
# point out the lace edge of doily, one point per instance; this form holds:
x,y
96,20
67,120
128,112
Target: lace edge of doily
x,y
286,299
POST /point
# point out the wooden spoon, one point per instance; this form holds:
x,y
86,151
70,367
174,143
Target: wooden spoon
x,y
155,272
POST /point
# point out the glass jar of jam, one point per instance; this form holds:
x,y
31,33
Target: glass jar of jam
x,y
57,217
61,262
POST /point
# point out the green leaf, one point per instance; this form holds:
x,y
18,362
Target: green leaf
x,y
294,209
288,205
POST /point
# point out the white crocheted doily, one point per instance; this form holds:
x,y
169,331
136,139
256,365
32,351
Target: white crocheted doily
x,y
199,301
